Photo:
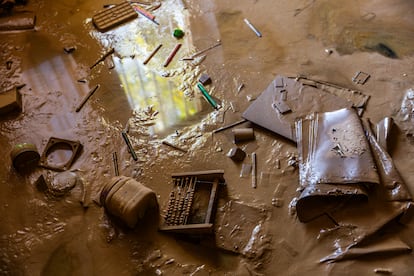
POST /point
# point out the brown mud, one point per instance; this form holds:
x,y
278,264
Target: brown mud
x,y
69,234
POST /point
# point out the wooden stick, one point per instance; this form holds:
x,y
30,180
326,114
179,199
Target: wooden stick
x,y
254,171
152,54
90,93
172,54
229,126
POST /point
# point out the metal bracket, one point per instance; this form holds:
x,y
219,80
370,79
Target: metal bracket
x,y
55,143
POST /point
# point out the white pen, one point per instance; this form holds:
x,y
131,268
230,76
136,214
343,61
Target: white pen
x,y
259,34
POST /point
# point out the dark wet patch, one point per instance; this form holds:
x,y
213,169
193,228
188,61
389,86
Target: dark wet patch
x,y
349,31
383,49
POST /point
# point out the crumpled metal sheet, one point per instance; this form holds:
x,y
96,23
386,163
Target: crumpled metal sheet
x,y
394,188
335,162
360,228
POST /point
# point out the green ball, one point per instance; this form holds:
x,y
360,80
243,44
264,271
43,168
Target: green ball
x,y
178,33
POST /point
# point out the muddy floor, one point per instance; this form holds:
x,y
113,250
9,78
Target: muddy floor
x,y
256,230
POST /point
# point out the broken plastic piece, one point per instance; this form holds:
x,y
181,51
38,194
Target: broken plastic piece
x,y
204,79
282,107
360,77
236,154
56,144
114,16
245,170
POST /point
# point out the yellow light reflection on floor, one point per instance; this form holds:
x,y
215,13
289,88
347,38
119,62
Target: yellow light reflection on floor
x,y
145,88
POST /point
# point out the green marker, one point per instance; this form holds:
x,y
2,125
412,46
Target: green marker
x,y
210,100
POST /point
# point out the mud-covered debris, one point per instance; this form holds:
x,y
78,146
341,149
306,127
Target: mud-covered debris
x,y
301,98
406,112
242,229
386,245
173,146
192,202
19,20
204,79
62,183
408,214
329,178
236,154
24,157
245,170
243,135
69,49
384,271
10,100
56,144
391,180
278,195
288,248
361,77
9,64
127,199
103,57
114,16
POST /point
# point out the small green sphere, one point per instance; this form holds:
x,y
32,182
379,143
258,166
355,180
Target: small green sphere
x,y
178,33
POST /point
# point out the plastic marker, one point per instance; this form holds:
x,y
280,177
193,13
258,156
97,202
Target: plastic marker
x,y
253,28
145,13
207,96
